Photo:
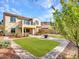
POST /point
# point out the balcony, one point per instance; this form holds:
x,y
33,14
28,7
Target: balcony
x,y
29,26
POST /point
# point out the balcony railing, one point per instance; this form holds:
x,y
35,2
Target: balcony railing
x,y
28,25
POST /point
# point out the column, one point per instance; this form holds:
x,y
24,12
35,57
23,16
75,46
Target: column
x,y
33,31
22,28
22,31
30,22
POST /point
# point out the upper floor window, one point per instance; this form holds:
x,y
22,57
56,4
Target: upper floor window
x,y
26,22
36,23
12,19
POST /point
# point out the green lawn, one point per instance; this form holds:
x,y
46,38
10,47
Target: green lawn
x,y
56,36
36,46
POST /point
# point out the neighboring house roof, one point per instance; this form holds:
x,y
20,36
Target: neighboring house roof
x,y
15,15
45,25
48,23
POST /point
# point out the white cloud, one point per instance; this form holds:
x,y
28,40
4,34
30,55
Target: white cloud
x,y
15,11
6,1
16,2
13,1
48,16
44,3
59,7
45,17
6,8
2,9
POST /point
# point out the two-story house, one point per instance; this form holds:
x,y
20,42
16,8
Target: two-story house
x,y
19,24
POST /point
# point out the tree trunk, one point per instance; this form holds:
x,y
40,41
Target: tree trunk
x,y
78,52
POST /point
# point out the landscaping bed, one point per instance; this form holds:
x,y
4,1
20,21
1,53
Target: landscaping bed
x,y
69,52
6,52
36,46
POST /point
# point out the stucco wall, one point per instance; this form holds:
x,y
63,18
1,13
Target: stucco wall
x,y
9,25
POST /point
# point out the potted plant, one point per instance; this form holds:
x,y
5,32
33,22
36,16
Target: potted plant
x,y
45,36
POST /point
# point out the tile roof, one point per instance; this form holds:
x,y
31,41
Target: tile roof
x,y
15,15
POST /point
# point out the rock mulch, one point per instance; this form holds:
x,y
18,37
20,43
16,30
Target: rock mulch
x,y
1,37
8,54
69,52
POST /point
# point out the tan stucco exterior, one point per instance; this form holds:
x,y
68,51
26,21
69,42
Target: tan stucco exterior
x,y
8,25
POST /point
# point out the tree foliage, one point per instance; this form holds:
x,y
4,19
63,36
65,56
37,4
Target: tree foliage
x,y
67,21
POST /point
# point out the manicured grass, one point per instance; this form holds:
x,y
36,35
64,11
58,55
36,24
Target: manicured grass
x,y
56,36
36,46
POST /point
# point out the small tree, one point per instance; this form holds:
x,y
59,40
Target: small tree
x,y
67,21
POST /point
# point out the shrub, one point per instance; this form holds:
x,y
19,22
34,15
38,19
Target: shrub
x,y
5,44
44,31
0,45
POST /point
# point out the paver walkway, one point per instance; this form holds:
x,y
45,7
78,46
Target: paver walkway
x,y
58,49
21,52
70,52
51,55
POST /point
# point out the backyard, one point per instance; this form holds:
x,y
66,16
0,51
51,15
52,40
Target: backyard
x,y
36,46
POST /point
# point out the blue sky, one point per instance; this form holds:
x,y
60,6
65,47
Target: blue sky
x,y
30,8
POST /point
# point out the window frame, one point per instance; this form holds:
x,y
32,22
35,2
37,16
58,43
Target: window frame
x,y
12,19
26,22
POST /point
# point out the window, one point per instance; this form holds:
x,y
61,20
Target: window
x,y
26,22
12,19
36,23
13,30
26,30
